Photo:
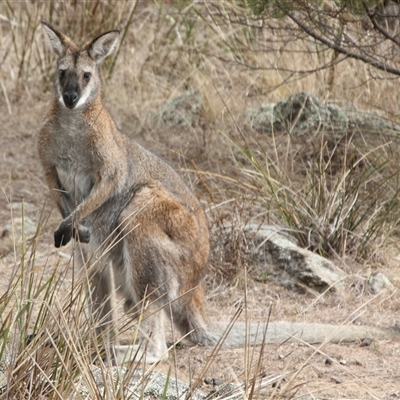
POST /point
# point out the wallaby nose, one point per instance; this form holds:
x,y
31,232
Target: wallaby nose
x,y
70,98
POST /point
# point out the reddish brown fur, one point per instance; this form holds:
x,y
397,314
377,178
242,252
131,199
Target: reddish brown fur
x,y
108,187
113,192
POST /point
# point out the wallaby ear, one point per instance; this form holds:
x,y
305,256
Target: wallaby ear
x,y
55,39
103,45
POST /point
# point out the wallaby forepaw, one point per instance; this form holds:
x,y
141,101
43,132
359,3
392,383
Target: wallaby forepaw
x,y
66,231
82,234
63,234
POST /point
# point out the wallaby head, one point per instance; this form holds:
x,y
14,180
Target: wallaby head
x,y
77,80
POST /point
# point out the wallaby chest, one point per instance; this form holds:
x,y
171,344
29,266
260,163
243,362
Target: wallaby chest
x,y
72,153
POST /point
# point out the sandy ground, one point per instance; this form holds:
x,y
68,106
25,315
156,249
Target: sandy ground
x,y
330,371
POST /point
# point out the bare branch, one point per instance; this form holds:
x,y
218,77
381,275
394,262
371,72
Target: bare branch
x,y
307,28
379,27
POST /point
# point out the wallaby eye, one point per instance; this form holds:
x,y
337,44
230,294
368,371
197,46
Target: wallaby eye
x,y
61,73
87,76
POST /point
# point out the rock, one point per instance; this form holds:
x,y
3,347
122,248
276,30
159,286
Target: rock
x,y
230,391
301,111
275,248
304,112
153,385
5,361
262,119
14,232
298,114
378,282
366,342
180,112
337,380
148,386
328,361
18,225
213,381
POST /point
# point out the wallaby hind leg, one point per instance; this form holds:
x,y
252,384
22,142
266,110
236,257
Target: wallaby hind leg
x,y
142,304
151,347
100,299
189,315
162,290
166,243
101,307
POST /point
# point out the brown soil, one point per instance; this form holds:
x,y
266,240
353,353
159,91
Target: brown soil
x,y
351,372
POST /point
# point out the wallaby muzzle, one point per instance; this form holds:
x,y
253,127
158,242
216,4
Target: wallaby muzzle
x,y
71,91
70,98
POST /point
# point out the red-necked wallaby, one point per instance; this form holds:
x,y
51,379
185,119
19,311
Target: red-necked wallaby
x,y
111,190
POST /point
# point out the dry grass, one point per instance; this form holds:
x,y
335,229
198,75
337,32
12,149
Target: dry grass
x,y
339,196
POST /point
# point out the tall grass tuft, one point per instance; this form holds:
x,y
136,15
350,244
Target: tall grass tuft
x,y
49,347
337,194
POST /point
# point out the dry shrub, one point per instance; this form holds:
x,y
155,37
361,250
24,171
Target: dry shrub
x,y
338,194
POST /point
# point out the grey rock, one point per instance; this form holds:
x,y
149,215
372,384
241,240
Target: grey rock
x,y
298,114
370,122
180,112
151,386
275,248
19,227
261,119
230,391
303,112
15,232
378,281
337,380
337,117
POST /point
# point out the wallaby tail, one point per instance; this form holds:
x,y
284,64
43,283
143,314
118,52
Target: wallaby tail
x,y
190,317
242,334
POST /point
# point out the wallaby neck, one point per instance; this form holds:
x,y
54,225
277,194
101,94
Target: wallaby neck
x,y
89,119
92,112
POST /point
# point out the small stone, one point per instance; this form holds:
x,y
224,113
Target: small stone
x,y
336,380
278,383
213,381
366,342
378,282
342,362
328,361
217,382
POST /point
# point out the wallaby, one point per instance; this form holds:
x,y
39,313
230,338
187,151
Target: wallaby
x,y
111,190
